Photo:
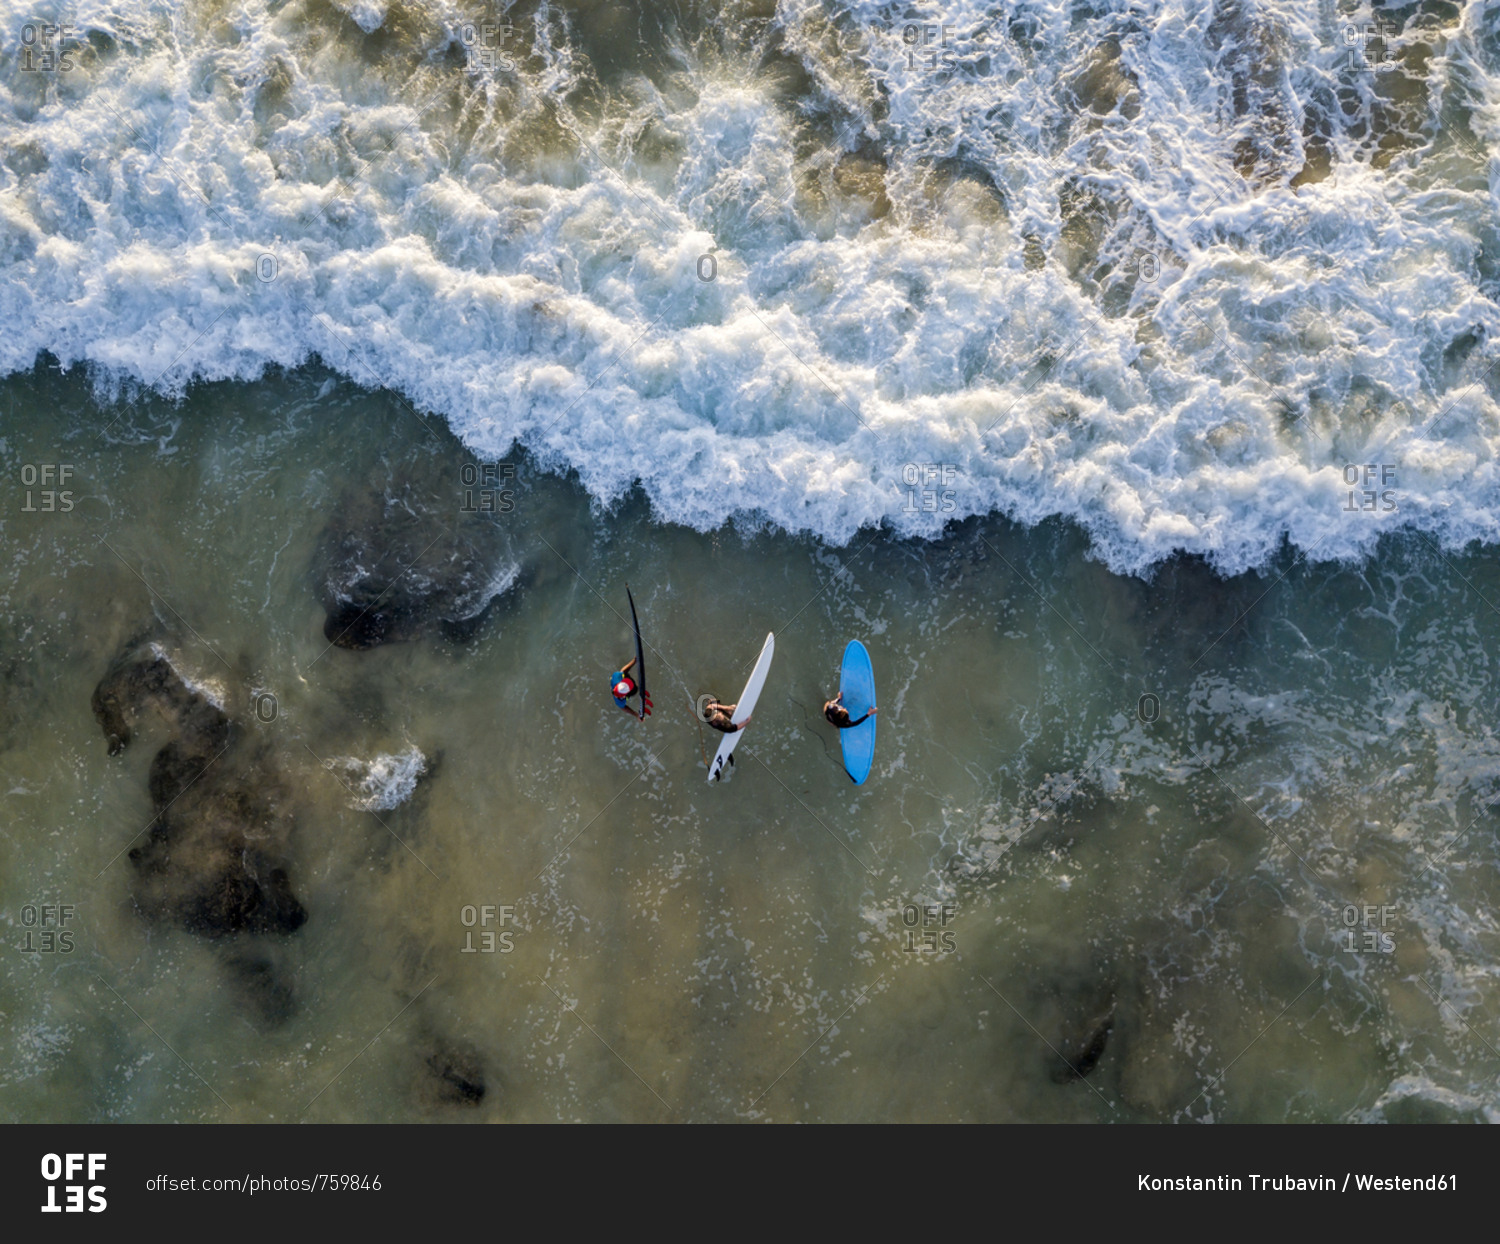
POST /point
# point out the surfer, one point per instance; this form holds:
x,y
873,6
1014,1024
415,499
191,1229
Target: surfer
x,y
721,717
623,687
838,715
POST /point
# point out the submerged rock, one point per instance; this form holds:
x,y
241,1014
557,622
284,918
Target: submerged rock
x,y
455,1074
396,565
215,858
1082,1055
263,986
144,678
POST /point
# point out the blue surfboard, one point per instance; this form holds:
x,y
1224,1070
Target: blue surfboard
x,y
857,682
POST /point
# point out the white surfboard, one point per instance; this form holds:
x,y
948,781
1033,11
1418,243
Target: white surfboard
x,y
743,707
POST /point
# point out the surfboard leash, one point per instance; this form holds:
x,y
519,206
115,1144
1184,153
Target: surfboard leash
x,y
806,718
693,708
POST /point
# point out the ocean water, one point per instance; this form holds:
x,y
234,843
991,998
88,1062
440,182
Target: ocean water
x,y
1121,374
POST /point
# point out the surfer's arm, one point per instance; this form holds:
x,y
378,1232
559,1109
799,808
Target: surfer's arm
x,y
852,724
626,668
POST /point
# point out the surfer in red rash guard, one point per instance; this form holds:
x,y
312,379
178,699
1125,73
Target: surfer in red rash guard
x,y
622,686
838,715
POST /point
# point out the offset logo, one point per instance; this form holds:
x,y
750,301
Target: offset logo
x,y
52,499
935,497
72,1164
934,919
489,941
46,933
493,496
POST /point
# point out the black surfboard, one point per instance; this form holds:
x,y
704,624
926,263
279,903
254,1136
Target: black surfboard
x,y
640,659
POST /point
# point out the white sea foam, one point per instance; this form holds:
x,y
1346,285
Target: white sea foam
x,y
839,371
385,781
